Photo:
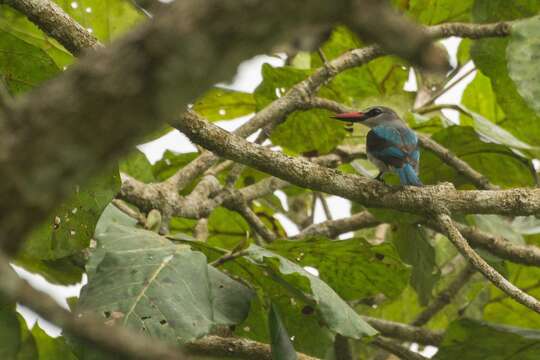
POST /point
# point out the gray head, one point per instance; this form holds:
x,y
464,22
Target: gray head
x,y
371,117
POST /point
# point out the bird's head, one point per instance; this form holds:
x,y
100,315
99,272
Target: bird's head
x,y
371,117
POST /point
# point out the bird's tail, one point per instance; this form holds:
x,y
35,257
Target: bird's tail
x,y
408,176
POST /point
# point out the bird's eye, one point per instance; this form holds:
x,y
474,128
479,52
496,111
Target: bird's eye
x,y
375,112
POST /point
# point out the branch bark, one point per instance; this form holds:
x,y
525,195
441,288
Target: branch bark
x,y
425,200
481,265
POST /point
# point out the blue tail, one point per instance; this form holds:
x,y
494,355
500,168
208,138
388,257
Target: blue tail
x,y
407,176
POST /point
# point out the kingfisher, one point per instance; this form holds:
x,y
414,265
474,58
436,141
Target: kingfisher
x,y
390,144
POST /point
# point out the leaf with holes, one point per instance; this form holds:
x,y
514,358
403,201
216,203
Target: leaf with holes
x,y
139,279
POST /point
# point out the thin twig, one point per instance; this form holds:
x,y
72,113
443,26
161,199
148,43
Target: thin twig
x,y
396,349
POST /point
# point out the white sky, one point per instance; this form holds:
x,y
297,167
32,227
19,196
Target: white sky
x,y
246,79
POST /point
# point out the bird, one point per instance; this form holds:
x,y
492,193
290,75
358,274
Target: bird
x,y
390,144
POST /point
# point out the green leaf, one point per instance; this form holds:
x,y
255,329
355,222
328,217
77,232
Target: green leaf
x,y
489,56
50,348
475,340
139,279
282,347
432,12
17,24
71,226
170,163
500,164
10,331
504,310
137,165
414,247
354,268
337,314
224,104
479,97
303,131
23,66
498,10
464,51
106,19
64,271
522,52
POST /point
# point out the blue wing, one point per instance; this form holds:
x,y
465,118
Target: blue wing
x,y
395,146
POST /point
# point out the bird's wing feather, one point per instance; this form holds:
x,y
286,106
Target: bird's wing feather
x,y
392,145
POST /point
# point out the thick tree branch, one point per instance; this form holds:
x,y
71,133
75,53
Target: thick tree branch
x,y
101,106
50,18
424,200
377,21
445,297
481,265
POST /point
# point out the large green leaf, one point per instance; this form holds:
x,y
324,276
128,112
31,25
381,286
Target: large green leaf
x,y
473,340
17,24
10,332
165,290
479,97
502,309
50,348
303,131
432,12
137,165
105,19
23,66
282,347
414,247
338,316
489,55
522,53
224,104
354,268
70,227
497,10
170,163
500,164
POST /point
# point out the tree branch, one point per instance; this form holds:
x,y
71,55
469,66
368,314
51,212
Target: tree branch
x,y
481,265
234,348
405,332
334,228
422,200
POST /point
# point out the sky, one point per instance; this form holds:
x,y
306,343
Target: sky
x,y
247,78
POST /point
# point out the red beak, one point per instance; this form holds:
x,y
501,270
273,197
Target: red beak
x,y
354,116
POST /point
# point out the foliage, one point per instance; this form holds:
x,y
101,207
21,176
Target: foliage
x,y
296,295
